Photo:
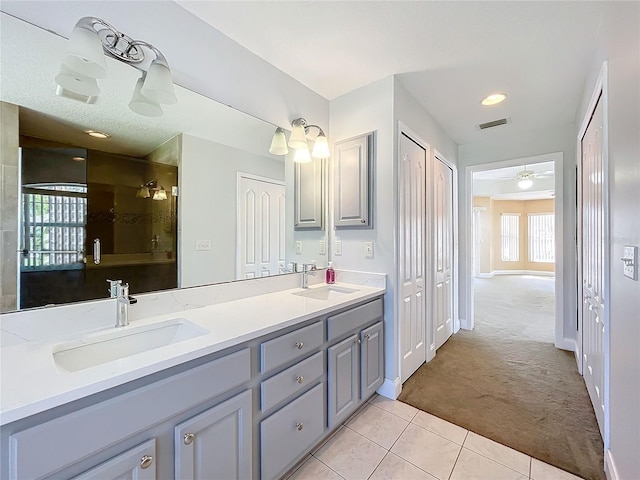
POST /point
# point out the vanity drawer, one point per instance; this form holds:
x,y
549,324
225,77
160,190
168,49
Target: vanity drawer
x,y
339,325
291,381
286,348
289,432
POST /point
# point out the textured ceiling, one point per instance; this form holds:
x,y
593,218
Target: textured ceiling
x,y
448,54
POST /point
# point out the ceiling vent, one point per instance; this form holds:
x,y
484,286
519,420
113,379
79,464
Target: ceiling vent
x,y
494,123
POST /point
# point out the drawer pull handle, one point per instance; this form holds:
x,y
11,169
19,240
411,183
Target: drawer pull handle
x,y
299,345
368,336
358,341
299,426
146,461
189,438
300,379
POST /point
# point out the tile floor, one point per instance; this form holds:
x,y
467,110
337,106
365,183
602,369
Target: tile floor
x,y
388,439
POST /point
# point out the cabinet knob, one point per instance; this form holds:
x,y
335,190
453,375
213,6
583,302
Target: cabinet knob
x,y
358,341
146,461
368,336
189,438
299,426
299,345
362,221
299,379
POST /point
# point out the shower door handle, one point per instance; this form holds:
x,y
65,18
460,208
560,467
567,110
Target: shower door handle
x,y
96,251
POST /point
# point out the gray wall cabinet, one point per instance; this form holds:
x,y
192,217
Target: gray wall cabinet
x,y
216,444
308,209
250,412
352,192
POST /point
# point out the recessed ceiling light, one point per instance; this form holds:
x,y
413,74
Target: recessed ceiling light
x,y
493,99
96,134
78,159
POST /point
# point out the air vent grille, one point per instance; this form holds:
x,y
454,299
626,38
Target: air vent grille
x,y
494,123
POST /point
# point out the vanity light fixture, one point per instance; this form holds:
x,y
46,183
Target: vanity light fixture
x,y
298,141
493,99
85,62
159,193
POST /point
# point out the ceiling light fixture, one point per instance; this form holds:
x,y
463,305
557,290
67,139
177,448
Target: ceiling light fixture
x,y
78,159
97,134
525,178
85,62
493,99
298,141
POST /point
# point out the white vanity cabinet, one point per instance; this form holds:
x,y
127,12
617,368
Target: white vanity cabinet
x,y
355,361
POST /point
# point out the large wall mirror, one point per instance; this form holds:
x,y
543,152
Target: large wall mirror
x,y
186,199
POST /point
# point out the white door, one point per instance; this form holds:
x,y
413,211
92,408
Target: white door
x,y
442,252
412,303
261,227
592,263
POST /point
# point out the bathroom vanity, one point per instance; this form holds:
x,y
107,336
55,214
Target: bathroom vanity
x,y
246,389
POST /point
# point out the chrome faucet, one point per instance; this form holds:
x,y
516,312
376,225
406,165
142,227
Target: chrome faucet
x,y
120,291
307,269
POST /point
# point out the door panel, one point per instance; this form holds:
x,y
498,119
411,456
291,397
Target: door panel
x,y
412,184
592,262
443,251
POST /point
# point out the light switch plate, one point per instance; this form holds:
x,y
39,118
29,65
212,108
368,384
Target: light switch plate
x,y
338,247
202,245
323,248
368,249
630,259
298,247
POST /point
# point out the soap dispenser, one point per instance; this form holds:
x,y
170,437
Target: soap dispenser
x,y
330,274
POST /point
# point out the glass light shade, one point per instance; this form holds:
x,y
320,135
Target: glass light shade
x,y
525,183
302,155
160,194
143,105
158,85
143,192
320,147
298,138
77,83
493,99
85,54
278,143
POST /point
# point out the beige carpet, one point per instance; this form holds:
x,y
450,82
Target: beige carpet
x,y
506,381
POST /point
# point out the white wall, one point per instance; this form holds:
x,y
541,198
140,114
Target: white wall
x,y
618,43
207,206
530,144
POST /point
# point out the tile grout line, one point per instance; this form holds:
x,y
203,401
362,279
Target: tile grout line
x,y
441,436
401,457
456,462
326,466
396,415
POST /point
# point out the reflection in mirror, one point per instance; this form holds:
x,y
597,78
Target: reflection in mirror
x,y
228,213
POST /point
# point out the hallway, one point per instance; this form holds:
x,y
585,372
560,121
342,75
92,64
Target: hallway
x,y
505,380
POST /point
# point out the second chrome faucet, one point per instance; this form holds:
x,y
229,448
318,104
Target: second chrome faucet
x,y
120,291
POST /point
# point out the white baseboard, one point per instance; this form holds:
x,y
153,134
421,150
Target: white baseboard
x,y
390,388
518,272
610,466
568,344
485,275
577,354
464,324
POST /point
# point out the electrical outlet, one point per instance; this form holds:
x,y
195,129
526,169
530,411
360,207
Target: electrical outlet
x,y
323,248
368,249
630,259
338,248
202,245
298,248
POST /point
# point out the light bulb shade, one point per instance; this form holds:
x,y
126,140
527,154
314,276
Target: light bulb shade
x,y
278,143
320,147
525,183
298,138
143,105
143,192
85,54
161,194
158,85
77,83
302,155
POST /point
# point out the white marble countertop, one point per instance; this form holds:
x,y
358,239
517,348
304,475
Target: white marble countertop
x,y
31,381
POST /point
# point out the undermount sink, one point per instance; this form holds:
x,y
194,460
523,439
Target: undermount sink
x,y
328,292
120,343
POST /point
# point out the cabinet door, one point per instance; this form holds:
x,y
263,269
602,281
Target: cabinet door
x,y
138,463
308,196
372,358
344,379
352,182
216,444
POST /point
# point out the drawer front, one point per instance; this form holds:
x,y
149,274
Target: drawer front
x,y
138,463
339,325
291,381
286,348
289,432
112,420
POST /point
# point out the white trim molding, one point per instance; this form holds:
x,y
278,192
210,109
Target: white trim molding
x,y
390,388
610,466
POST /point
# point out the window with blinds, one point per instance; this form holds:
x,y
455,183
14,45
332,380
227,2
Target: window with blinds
x,y
510,237
542,237
53,224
